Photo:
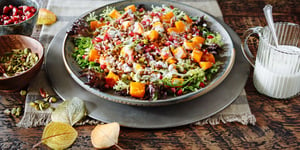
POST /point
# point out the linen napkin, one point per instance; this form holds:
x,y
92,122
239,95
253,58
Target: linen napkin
x,y
66,11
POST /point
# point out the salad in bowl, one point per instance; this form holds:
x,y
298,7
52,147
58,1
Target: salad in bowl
x,y
144,54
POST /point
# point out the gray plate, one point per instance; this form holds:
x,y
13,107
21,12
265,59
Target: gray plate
x,y
227,57
148,117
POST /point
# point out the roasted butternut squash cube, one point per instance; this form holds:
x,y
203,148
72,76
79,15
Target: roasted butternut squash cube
x,y
153,35
205,64
137,89
198,41
132,7
93,55
196,55
96,24
180,26
172,30
111,79
167,17
114,14
172,60
208,57
188,19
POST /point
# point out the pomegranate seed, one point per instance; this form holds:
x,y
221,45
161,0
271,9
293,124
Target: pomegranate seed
x,y
171,6
32,10
173,90
98,39
210,36
171,38
141,9
163,9
11,6
101,19
131,34
202,84
179,92
106,86
84,56
43,93
103,66
144,22
167,43
26,9
185,36
119,42
205,51
6,9
152,46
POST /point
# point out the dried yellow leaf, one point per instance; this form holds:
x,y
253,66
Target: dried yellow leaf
x,y
105,135
58,135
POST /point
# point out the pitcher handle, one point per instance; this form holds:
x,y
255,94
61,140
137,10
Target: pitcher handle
x,y
245,48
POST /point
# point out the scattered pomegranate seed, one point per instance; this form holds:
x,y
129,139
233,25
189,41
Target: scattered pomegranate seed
x,y
173,90
171,6
163,9
202,84
179,92
103,66
210,36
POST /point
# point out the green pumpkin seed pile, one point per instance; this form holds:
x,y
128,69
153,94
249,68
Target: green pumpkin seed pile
x,y
17,61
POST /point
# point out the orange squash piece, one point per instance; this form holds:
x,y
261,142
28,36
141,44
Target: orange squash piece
x,y
96,24
171,60
198,41
111,79
172,30
93,55
132,7
153,35
167,17
205,64
180,26
208,57
137,89
196,55
188,19
114,14
179,52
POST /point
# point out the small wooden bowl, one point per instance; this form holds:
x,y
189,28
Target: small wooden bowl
x,y
19,81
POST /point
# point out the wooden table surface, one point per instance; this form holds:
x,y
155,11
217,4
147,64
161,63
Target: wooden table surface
x,y
278,121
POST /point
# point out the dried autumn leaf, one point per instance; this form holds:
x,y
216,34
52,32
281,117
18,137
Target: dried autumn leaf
x,y
46,17
105,135
69,111
58,135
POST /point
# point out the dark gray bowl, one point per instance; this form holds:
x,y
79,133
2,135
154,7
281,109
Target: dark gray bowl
x,y
227,57
25,27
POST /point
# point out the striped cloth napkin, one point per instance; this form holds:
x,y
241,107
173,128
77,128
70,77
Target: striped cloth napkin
x,y
66,11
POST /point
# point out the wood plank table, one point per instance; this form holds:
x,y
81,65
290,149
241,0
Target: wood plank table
x,y
278,121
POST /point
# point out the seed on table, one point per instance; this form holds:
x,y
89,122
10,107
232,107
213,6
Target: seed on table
x,y
23,92
13,111
7,111
52,99
32,104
